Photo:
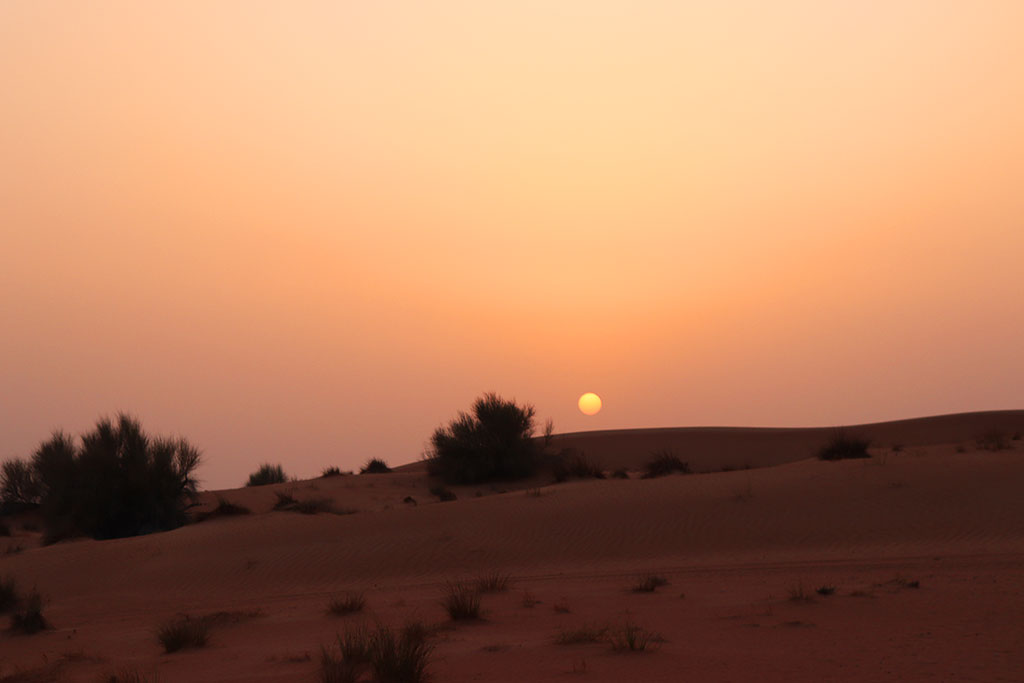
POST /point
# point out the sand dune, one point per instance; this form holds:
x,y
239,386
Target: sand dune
x,y
939,511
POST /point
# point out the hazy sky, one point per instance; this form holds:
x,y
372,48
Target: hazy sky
x,y
310,232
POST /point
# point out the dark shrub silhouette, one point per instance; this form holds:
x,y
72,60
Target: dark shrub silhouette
x,y
118,482
332,471
375,466
664,463
445,495
225,508
495,442
28,617
843,445
183,632
19,486
267,474
572,463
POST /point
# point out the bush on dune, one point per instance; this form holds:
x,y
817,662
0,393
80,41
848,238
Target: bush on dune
x,y
118,481
493,442
844,446
266,475
663,463
375,466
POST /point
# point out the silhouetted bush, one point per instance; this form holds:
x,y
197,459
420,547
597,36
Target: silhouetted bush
x,y
495,442
267,474
183,632
28,616
118,482
332,471
571,463
445,495
375,466
225,508
843,446
664,463
462,600
392,657
19,486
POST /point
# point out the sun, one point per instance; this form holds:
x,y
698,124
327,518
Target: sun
x,y
590,403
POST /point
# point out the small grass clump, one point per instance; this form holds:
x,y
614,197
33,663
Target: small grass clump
x,y
495,582
649,583
349,603
183,633
798,594
443,494
267,474
225,508
633,638
285,501
461,600
393,657
310,506
332,471
573,464
844,446
375,466
826,590
663,463
128,676
587,633
28,615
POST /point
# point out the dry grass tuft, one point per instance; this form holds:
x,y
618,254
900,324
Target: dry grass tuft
x,y
649,583
350,603
461,600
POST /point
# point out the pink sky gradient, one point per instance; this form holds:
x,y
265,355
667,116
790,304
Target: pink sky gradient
x,y
308,233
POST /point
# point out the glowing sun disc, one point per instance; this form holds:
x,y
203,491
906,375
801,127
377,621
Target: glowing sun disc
x,y
590,403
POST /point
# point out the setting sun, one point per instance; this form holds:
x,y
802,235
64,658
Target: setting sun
x,y
590,403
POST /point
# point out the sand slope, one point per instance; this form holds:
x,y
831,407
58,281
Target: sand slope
x,y
734,543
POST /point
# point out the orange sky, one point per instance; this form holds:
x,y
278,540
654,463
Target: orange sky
x,y
310,232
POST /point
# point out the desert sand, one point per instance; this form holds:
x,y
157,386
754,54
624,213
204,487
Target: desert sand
x,y
923,543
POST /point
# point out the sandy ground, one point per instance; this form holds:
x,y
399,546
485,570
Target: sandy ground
x,y
924,546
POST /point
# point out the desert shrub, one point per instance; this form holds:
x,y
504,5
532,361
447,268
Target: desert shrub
x,y
443,493
571,463
118,482
349,603
19,486
267,474
798,594
461,600
649,583
8,594
183,632
224,508
587,633
843,446
332,471
375,466
400,657
826,590
663,463
633,638
993,440
284,501
128,676
494,442
494,582
28,615
309,506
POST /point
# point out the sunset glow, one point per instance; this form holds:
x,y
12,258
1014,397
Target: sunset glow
x,y
590,403
313,234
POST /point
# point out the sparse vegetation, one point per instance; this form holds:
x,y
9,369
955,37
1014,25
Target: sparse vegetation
x,y
350,603
392,657
375,466
128,676
115,481
633,638
587,633
561,606
620,473
332,471
285,500
309,506
649,583
224,508
266,475
798,594
183,633
19,486
495,582
28,618
494,442
994,440
573,464
461,600
663,463
444,494
843,445
826,590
